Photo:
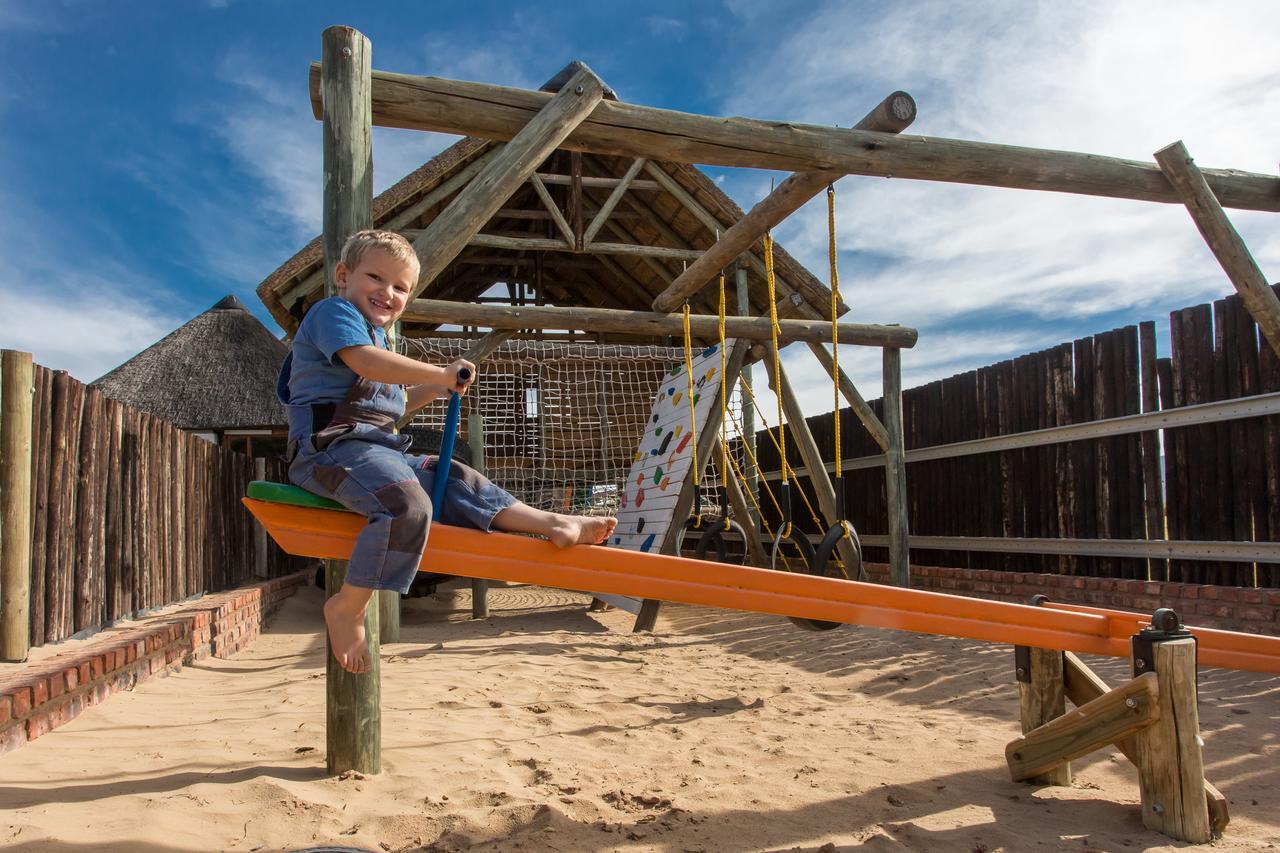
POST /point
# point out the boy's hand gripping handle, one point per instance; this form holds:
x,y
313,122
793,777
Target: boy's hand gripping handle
x,y
446,448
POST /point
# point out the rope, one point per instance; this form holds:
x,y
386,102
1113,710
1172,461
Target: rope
x,y
693,423
813,514
775,332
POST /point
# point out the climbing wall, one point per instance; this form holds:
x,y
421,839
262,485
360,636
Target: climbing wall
x,y
662,460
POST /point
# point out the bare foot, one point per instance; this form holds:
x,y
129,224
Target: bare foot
x,y
581,530
346,635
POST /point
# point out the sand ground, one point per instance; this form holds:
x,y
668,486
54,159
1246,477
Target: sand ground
x,y
547,727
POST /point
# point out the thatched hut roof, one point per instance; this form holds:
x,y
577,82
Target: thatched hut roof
x,y
650,214
215,372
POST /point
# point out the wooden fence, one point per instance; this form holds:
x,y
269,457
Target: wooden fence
x,y
128,512
1210,482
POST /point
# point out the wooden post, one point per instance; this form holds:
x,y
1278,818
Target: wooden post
x,y
15,504
708,434
353,704
895,471
475,438
1083,685
475,205
259,532
1041,699
1224,241
892,115
798,428
1170,764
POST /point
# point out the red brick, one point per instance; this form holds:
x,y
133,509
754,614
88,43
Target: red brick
x,y
1210,592
1252,596
1229,593
71,677
85,677
97,666
40,693
6,709
21,702
57,685
1257,614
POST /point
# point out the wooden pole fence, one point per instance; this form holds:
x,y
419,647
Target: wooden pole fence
x,y
15,504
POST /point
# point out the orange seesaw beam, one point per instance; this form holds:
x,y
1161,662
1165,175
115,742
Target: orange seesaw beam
x,y
330,534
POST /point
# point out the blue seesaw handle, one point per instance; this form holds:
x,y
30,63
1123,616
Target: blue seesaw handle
x,y
446,448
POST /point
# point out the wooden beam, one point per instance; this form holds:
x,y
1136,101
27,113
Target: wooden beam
x,y
849,391
895,471
449,232
627,130
16,373
606,209
475,438
639,322
1170,762
544,244
556,216
597,182
1082,685
353,703
798,429
520,213
1116,715
892,115
1223,239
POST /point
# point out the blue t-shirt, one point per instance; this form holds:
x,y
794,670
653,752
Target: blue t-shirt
x,y
313,373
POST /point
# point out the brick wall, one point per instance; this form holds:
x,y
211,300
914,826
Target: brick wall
x,y
1255,611
36,698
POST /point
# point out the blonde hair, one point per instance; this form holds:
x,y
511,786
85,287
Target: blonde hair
x,y
371,238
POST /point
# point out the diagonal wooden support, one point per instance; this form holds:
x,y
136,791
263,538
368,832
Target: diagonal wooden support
x,y
556,216
850,392
1116,715
1082,685
449,232
812,456
606,209
892,115
708,435
1223,239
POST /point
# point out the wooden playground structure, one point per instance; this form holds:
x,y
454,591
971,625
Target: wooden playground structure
x,y
1152,719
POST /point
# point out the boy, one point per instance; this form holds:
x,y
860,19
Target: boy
x,y
344,391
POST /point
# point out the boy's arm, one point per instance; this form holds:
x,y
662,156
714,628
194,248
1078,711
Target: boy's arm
x,y
380,365
418,396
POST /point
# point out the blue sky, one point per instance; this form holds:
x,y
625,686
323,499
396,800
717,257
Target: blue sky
x,y
159,155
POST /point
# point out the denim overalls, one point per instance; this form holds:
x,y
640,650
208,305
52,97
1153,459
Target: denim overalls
x,y
352,455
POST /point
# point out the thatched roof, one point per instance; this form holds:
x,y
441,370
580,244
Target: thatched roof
x,y
217,371
649,215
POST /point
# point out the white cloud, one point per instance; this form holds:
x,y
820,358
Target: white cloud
x,y
84,316
1115,79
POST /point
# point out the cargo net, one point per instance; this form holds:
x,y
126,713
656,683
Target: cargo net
x,y
562,421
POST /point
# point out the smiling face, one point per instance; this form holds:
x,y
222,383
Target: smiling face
x,y
378,286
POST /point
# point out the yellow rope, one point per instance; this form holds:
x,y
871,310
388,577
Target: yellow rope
x,y
775,332
835,307
813,515
693,423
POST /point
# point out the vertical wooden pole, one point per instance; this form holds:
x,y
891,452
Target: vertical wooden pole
x,y
353,705
15,504
1170,764
259,532
895,470
748,409
475,437
388,600
1041,698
